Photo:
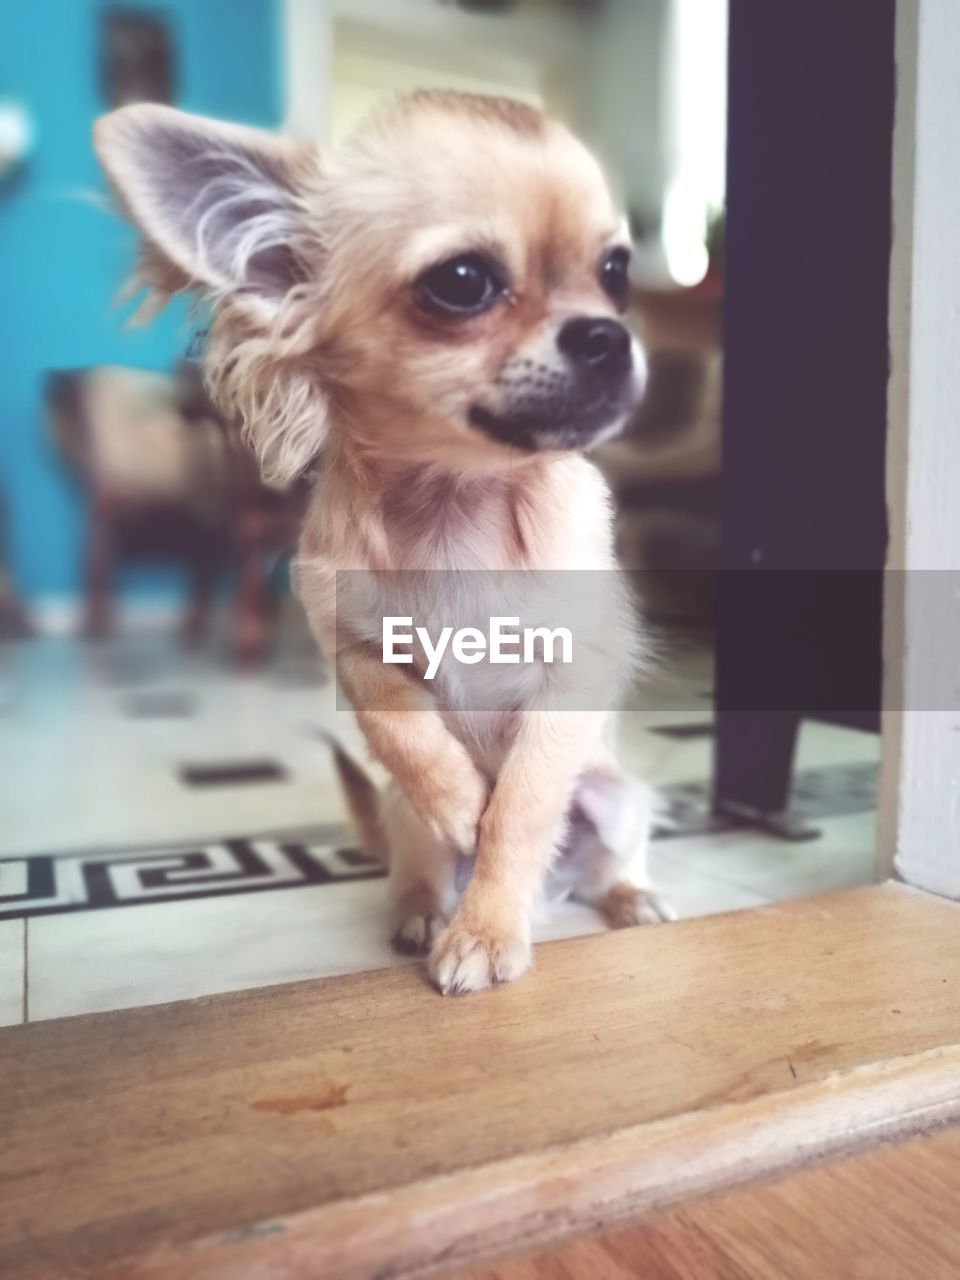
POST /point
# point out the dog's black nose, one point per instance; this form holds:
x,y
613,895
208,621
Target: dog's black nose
x,y
601,345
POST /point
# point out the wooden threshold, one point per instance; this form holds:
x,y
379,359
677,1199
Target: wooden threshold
x,y
363,1126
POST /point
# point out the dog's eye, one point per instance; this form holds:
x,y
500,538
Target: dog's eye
x,y
463,286
615,275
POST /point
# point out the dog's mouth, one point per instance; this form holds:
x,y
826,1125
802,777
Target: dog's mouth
x,y
565,425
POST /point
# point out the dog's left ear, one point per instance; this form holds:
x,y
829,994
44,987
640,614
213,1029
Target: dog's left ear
x,y
221,205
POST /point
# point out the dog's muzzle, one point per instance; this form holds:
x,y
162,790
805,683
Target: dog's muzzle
x,y
581,399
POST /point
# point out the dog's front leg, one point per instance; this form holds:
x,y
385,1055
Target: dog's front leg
x,y
488,939
405,732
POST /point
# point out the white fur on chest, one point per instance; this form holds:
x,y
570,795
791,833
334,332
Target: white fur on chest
x,y
458,567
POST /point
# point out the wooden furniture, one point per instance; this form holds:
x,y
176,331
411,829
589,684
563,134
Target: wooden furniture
x,y
168,479
804,532
664,470
155,483
14,621
264,523
363,1126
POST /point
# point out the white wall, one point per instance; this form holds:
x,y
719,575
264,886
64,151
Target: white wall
x,y
307,70
695,132
920,811
644,84
373,63
342,56
618,98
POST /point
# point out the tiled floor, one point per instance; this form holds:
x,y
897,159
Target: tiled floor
x,y
12,986
92,744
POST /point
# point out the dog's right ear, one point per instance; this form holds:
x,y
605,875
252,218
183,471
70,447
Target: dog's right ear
x,y
226,211
221,205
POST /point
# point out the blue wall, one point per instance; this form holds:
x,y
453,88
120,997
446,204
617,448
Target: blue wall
x,y
62,259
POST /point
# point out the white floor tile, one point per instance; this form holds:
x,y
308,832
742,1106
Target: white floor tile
x,y
13,877
662,760
81,774
659,760
130,956
11,972
692,892
90,961
820,745
842,857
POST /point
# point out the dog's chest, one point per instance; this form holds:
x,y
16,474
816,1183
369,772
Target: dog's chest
x,y
443,524
460,631
463,569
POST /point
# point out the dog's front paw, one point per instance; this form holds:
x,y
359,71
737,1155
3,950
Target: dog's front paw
x,y
416,933
626,905
472,957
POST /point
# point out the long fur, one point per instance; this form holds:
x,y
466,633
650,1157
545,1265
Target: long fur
x,y
319,344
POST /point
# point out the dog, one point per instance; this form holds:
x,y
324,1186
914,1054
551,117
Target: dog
x,y
435,309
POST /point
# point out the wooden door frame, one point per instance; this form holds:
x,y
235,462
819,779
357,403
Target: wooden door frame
x,y
919,821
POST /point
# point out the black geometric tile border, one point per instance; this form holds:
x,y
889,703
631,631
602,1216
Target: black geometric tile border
x,y
55,884
52,884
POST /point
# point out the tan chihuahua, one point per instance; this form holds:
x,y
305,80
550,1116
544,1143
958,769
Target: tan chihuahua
x,y
435,308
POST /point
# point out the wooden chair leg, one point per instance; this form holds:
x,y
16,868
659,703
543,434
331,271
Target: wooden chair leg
x,y
98,620
196,620
251,614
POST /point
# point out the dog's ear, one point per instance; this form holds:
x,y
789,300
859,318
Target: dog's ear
x,y
226,211
221,205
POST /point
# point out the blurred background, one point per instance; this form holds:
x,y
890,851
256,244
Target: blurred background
x,y
163,710
104,470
